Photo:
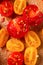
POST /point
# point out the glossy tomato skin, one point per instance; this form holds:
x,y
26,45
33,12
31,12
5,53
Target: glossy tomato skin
x,y
16,58
30,11
33,15
37,20
6,8
17,27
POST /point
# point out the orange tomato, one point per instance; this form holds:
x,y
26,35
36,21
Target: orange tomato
x,y
30,56
32,39
3,37
19,6
14,45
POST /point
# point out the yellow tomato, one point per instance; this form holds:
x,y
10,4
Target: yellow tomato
x,y
19,6
14,45
3,37
30,56
32,39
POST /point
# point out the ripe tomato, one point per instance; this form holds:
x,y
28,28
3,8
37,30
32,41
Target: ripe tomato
x,y
30,56
14,45
16,58
19,6
37,20
32,39
6,8
32,13
17,27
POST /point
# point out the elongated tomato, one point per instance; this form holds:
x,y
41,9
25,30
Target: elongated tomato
x,y
32,39
30,56
19,6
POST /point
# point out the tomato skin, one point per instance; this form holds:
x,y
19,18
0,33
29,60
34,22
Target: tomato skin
x,y
17,27
37,20
30,11
6,8
16,58
33,15
19,6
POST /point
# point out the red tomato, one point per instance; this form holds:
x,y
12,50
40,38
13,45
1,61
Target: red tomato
x,y
6,8
30,11
33,15
17,27
37,20
16,58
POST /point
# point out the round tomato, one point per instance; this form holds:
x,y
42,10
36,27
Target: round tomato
x,y
16,58
14,45
37,20
32,13
6,8
17,27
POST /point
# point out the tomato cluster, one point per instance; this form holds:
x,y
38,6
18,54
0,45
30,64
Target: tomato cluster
x,y
20,25
27,15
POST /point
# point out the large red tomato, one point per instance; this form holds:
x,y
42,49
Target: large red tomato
x,y
17,27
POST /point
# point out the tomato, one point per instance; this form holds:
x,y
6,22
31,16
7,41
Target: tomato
x,y
4,36
17,27
32,39
16,58
37,20
14,44
6,8
32,13
19,6
30,56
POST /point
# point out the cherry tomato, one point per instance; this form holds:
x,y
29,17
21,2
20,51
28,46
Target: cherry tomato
x,y
19,6
32,39
6,8
16,58
30,56
32,13
37,20
17,27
